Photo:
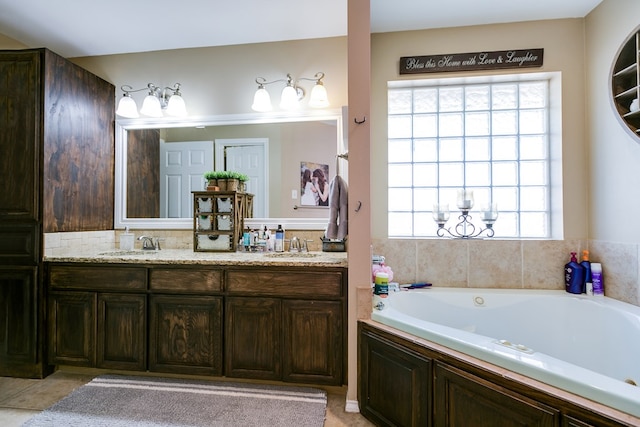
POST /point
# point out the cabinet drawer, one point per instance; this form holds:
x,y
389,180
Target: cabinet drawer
x,y
311,284
97,277
185,280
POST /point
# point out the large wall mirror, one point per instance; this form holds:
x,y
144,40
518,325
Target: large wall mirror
x,y
283,142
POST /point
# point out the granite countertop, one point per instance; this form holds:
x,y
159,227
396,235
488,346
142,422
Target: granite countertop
x,y
188,256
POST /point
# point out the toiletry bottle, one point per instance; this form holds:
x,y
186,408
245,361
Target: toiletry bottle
x,y
126,240
279,246
246,239
573,275
587,287
380,289
597,278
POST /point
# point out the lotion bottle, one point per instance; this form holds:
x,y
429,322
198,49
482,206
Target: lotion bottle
x,y
598,281
587,288
573,275
279,245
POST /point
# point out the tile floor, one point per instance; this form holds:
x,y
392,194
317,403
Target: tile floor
x,y
20,399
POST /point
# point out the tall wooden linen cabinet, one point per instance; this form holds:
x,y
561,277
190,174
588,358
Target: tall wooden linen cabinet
x,y
57,163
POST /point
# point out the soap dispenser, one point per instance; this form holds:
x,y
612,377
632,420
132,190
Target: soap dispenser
x,y
126,240
573,275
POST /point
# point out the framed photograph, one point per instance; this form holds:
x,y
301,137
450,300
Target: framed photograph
x,y
314,184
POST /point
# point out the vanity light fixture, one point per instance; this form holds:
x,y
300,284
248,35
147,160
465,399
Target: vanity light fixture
x,y
168,99
291,95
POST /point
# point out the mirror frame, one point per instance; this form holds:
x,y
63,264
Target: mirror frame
x,y
123,125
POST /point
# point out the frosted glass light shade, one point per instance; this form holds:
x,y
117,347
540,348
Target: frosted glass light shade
x,y
319,98
127,108
262,101
176,106
151,107
289,98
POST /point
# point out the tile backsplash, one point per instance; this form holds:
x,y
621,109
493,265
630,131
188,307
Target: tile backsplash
x,y
90,241
513,264
57,243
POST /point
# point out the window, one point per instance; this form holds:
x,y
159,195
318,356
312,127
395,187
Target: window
x,y
489,135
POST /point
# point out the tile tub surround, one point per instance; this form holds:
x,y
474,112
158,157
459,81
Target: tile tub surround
x,y
514,264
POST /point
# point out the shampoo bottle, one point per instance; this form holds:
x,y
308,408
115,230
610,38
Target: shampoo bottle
x,y
573,275
598,281
279,245
587,288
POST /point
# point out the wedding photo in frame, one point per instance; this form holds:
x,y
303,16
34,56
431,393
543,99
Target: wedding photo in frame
x,y
314,184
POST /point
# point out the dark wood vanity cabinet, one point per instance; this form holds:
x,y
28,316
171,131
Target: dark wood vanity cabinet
x,y
121,333
264,323
253,338
285,324
312,341
19,321
185,320
72,328
57,161
185,334
97,317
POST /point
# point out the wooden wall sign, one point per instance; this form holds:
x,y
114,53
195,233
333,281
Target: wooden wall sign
x,y
497,60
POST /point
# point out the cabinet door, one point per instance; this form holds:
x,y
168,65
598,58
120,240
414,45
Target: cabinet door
x,y
72,324
18,320
463,399
252,338
185,334
312,341
121,336
395,383
21,136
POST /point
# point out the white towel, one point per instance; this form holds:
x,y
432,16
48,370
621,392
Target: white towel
x,y
338,226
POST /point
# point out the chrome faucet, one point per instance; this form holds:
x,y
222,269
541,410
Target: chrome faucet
x,y
298,245
294,244
149,243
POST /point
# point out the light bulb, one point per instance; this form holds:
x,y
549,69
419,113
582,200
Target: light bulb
x,y
176,106
127,108
262,100
151,106
289,98
318,98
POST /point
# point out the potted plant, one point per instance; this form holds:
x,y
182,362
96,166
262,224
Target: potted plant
x,y
236,181
226,180
212,178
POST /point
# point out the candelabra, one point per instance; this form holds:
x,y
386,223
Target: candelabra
x,y
465,229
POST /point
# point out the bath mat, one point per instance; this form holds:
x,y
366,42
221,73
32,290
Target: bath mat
x,y
115,400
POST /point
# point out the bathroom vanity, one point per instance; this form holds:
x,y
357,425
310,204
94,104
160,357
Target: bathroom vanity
x,y
270,316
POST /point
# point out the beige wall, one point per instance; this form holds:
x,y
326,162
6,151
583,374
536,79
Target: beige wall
x,y
566,57
221,80
615,154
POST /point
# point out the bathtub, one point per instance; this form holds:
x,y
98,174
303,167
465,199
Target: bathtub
x,y
589,346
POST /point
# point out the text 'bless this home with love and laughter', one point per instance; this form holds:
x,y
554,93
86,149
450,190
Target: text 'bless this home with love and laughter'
x,y
471,61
